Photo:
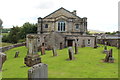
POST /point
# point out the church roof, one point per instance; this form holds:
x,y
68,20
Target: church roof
x,y
62,11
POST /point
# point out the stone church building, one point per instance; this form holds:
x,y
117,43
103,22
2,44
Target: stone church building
x,y
61,29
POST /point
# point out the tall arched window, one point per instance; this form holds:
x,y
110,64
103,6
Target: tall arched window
x,y
61,26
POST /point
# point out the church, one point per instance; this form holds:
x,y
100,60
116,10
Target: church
x,y
61,29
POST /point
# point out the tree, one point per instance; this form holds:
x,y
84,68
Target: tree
x,y
27,28
13,36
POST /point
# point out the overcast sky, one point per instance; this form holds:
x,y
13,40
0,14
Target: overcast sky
x,y
102,14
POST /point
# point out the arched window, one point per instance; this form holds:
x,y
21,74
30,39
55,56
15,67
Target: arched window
x,y
61,26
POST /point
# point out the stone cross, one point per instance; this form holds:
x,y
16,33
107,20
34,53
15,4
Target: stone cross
x,y
3,58
38,72
54,51
16,54
76,48
71,54
109,58
42,50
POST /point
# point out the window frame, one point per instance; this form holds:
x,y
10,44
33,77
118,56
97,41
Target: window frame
x,y
61,26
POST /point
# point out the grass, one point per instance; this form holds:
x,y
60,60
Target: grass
x,y
5,34
87,64
5,44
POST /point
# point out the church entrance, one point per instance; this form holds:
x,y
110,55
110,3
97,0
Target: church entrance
x,y
70,43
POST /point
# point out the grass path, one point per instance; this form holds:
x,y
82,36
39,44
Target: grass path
x,y
87,64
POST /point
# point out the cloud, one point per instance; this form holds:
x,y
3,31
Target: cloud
x,y
101,14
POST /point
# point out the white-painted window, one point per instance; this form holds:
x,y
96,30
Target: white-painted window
x,y
61,26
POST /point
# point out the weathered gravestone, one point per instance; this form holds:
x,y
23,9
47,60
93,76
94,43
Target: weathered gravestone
x,y
32,56
38,72
109,58
42,50
16,54
3,58
71,53
54,51
76,48
105,49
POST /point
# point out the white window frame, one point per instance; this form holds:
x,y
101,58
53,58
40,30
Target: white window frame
x,y
61,26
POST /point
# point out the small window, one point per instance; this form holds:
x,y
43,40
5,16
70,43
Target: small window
x,y
77,39
46,25
88,41
77,26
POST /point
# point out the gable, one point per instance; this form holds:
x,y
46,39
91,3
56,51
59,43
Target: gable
x,y
61,12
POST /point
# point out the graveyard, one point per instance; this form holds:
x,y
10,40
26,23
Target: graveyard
x,y
87,63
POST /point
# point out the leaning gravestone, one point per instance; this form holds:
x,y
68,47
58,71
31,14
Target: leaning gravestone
x,y
71,54
76,48
38,72
16,54
32,56
3,58
42,50
54,51
109,58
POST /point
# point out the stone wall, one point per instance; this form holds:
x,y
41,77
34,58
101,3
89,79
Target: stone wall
x,y
3,49
109,42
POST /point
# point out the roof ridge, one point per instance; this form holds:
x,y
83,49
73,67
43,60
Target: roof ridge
x,y
59,9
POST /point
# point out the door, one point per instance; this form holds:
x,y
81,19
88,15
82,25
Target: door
x,y
70,43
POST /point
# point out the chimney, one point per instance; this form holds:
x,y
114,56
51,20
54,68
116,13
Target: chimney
x,y
74,12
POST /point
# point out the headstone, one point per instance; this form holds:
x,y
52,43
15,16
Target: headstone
x,y
16,54
54,51
38,72
76,48
3,58
71,54
32,56
109,58
42,50
105,49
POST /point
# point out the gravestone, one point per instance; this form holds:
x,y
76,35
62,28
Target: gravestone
x,y
16,54
54,51
109,58
32,56
71,54
42,50
105,49
3,58
38,72
76,48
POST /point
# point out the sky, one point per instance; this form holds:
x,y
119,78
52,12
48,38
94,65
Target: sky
x,y
102,14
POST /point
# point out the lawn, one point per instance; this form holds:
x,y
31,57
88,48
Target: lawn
x,y
87,64
5,44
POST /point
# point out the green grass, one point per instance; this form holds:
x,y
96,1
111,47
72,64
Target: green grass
x,y
5,34
87,64
5,44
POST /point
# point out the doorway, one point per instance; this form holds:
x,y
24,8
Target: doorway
x,y
70,43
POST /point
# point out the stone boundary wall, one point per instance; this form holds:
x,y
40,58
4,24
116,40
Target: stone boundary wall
x,y
3,49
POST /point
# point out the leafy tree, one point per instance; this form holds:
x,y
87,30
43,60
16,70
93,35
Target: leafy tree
x,y
27,28
18,34
13,36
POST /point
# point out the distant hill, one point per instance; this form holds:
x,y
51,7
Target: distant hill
x,y
95,31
